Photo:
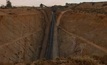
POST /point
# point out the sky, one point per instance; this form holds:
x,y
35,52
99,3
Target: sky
x,y
46,2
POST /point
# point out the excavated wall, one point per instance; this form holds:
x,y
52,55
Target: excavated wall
x,y
82,33
21,36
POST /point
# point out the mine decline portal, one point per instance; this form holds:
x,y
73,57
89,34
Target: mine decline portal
x,y
49,51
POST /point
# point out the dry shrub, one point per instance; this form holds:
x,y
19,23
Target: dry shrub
x,y
41,62
69,61
6,63
104,60
96,57
84,61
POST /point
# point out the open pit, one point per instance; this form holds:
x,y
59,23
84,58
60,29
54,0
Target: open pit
x,y
78,32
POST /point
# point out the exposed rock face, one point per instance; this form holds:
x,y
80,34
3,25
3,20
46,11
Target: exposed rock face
x,y
21,36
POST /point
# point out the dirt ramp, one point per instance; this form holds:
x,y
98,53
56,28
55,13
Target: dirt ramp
x,y
20,37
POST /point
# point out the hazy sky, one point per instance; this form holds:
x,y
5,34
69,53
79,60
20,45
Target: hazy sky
x,y
46,2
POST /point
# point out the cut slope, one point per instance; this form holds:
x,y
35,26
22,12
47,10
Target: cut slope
x,y
20,36
86,25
